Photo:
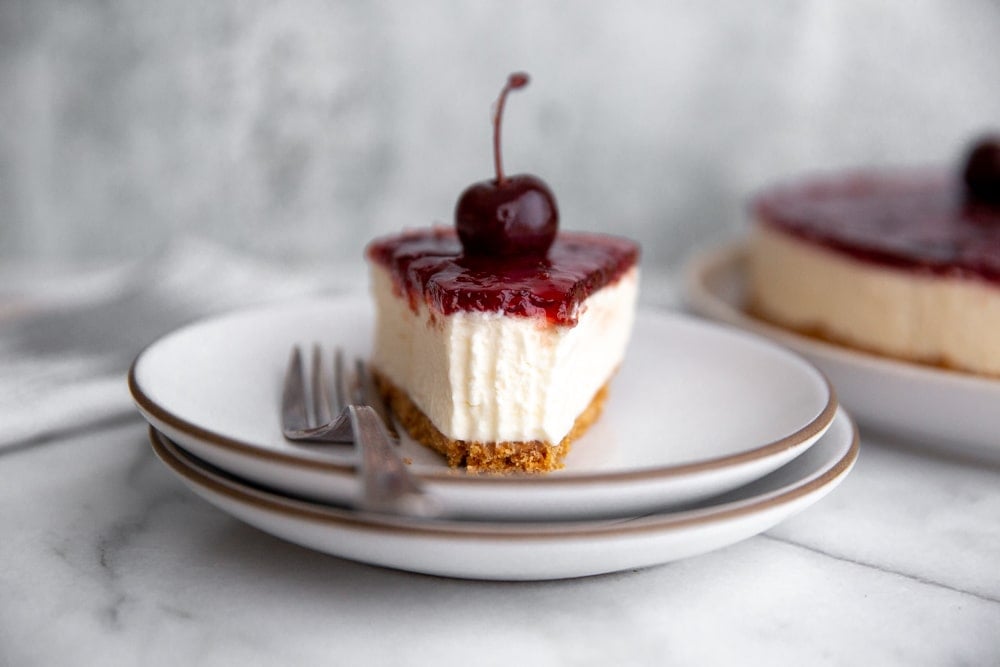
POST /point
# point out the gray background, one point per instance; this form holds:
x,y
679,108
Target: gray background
x,y
296,131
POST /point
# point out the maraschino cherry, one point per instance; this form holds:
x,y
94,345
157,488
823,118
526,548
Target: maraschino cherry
x,y
982,170
511,215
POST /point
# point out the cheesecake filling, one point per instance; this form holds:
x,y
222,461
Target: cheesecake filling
x,y
910,314
489,376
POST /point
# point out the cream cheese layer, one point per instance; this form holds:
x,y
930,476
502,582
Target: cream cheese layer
x,y
921,316
490,377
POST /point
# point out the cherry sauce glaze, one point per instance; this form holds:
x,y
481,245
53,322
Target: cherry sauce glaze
x,y
430,265
923,221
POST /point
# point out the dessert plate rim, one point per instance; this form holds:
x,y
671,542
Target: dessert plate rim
x,y
848,368
626,543
299,473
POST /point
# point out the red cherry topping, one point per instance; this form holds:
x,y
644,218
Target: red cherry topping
x,y
982,170
507,216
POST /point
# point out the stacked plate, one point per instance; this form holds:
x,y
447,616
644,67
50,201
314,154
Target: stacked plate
x,y
710,435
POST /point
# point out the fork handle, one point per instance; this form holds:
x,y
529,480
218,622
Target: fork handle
x,y
387,484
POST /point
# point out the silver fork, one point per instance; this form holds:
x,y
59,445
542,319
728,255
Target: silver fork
x,y
354,413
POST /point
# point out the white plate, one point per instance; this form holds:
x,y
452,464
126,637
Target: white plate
x,y
696,410
931,405
527,551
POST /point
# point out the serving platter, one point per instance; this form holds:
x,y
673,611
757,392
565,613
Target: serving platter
x,y
928,405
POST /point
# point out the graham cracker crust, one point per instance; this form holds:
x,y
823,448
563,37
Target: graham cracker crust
x,y
532,456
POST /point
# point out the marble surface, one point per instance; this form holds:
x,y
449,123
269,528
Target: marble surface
x,y
106,558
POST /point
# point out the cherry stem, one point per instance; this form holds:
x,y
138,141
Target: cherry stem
x,y
514,81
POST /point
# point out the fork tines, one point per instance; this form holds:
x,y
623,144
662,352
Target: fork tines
x,y
309,411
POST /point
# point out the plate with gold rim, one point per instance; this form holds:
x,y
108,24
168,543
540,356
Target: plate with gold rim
x,y
696,410
533,550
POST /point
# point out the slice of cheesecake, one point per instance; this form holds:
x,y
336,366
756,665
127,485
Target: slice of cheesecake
x,y
499,363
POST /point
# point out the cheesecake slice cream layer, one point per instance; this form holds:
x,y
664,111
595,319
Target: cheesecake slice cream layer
x,y
902,313
487,377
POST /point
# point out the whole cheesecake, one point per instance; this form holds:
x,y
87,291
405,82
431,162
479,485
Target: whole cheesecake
x,y
902,263
495,340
